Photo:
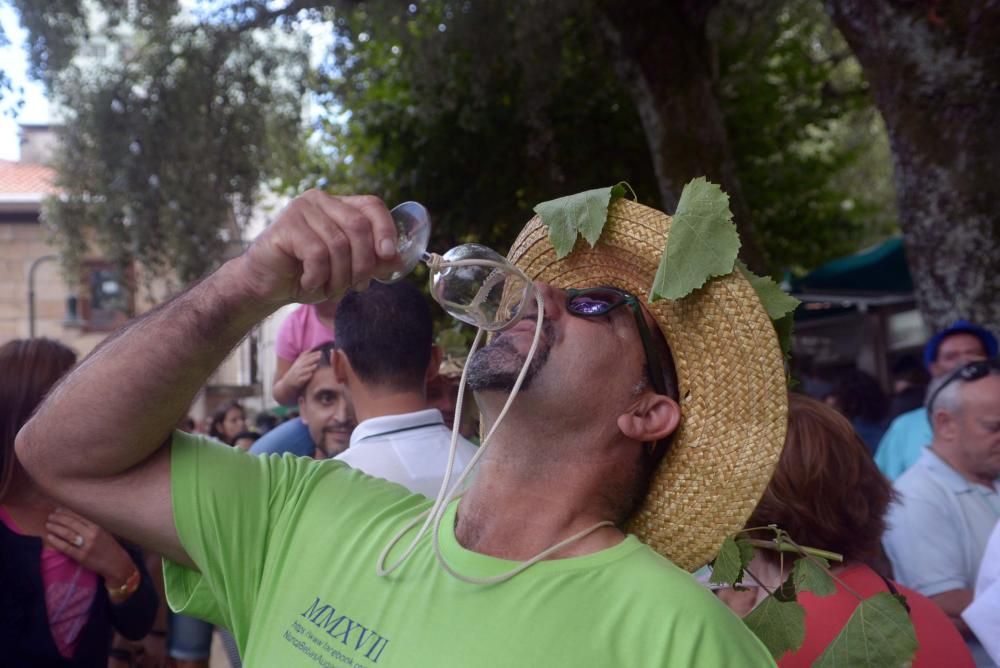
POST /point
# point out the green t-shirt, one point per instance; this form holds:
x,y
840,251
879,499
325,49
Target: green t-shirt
x,y
286,549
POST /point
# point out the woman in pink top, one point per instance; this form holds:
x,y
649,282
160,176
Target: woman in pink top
x,y
66,583
828,493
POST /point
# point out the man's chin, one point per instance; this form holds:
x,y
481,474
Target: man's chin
x,y
335,446
495,367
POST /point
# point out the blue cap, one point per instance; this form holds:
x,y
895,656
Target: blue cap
x,y
960,327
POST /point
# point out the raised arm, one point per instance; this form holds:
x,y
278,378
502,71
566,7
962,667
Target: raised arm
x,y
100,442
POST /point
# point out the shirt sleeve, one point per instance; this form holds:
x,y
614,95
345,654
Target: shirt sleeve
x,y
885,453
288,344
925,546
226,504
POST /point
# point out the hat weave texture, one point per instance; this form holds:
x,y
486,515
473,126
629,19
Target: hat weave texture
x,y
730,375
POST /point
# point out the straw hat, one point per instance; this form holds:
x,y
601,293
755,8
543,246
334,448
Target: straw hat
x,y
730,374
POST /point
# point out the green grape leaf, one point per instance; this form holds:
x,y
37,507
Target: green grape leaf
x,y
703,242
808,575
733,557
780,625
775,301
878,633
780,305
583,213
784,328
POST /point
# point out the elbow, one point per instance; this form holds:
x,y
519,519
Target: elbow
x,y
30,453
26,449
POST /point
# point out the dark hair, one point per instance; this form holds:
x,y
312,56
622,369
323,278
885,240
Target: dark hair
x,y
28,370
326,348
252,435
219,416
826,491
386,333
858,395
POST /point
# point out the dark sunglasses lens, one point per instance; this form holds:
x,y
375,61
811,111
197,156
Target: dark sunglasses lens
x,y
594,302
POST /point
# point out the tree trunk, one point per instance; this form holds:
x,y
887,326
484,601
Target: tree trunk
x,y
934,69
661,53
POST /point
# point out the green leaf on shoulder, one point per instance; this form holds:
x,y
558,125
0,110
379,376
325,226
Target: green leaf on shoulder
x,y
813,576
780,625
703,242
580,214
878,633
733,557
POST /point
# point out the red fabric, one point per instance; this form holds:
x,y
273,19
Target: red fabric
x,y
69,592
939,640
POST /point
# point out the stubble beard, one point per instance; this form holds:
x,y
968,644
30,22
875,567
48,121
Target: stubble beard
x,y
497,366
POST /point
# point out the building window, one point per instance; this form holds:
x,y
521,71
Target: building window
x,y
106,296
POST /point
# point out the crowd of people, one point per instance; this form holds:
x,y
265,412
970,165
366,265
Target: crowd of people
x,y
642,436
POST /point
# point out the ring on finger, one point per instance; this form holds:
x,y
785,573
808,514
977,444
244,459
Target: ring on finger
x,y
78,541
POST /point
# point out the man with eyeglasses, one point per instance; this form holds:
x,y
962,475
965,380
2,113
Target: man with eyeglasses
x,y
643,435
949,501
908,435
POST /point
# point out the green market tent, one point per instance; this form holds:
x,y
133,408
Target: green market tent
x,y
879,270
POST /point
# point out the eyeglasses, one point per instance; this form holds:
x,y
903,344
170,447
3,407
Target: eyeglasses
x,y
968,373
594,302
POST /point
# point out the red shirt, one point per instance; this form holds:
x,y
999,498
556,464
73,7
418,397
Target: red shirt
x,y
940,642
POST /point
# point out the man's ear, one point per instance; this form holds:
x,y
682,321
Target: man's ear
x,y
302,404
652,417
944,425
435,364
341,366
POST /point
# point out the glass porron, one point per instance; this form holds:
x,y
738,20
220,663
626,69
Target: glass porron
x,y
473,283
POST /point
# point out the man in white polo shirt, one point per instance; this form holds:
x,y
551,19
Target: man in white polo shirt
x,y
385,356
949,501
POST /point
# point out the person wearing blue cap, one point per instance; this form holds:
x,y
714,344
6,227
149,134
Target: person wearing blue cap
x,y
910,433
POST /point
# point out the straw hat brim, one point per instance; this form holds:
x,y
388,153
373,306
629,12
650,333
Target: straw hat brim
x,y
730,375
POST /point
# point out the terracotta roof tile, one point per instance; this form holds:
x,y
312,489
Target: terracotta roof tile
x,y
25,177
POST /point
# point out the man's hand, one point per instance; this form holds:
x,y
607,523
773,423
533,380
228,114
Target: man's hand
x,y
319,247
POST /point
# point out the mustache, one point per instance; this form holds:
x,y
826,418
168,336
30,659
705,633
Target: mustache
x,y
340,426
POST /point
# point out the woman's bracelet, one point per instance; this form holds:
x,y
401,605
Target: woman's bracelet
x,y
119,594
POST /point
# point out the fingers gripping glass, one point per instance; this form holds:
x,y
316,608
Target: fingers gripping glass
x,y
968,373
595,302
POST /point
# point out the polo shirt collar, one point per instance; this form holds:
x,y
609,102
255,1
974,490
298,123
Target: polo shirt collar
x,y
393,423
943,471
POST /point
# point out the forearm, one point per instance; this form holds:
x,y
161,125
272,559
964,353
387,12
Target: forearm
x,y
121,403
284,392
952,603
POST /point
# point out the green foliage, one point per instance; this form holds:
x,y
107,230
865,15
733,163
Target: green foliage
x,y
780,305
582,214
478,110
813,575
780,625
878,633
703,242
165,148
802,129
734,556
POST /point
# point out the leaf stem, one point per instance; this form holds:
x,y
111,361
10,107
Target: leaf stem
x,y
788,546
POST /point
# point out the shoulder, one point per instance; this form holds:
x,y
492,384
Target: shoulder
x,y
666,591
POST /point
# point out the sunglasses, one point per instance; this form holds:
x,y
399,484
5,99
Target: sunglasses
x,y
968,373
595,302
